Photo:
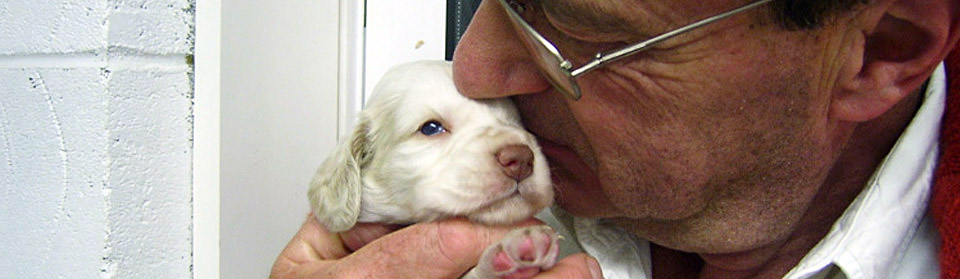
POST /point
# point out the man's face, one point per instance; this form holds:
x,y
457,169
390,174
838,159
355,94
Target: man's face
x,y
712,141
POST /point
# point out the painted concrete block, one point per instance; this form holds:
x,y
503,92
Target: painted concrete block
x,y
64,26
149,124
152,4
161,31
54,142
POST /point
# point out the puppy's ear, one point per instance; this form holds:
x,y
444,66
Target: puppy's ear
x,y
335,189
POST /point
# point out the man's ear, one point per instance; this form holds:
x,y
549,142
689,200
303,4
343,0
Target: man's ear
x,y
903,42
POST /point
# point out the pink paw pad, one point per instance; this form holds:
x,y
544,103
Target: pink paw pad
x,y
525,252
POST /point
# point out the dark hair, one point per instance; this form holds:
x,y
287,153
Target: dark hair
x,y
810,14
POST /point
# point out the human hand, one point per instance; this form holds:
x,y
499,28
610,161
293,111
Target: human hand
x,y
444,249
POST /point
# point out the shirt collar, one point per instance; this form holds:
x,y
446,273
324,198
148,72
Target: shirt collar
x,y
872,234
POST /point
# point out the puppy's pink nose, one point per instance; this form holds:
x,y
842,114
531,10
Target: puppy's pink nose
x,y
516,161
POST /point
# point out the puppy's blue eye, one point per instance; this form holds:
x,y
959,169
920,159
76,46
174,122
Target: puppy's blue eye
x,y
432,127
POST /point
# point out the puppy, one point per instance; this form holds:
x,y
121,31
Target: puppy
x,y
421,152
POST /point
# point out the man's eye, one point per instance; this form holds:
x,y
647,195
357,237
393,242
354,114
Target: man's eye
x,y
432,127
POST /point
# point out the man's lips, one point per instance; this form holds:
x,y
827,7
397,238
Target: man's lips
x,y
564,156
577,185
552,149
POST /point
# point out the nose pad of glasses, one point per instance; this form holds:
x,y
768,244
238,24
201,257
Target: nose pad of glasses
x,y
561,79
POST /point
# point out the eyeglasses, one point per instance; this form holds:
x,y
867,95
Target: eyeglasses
x,y
560,72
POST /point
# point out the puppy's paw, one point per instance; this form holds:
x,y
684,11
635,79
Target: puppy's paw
x,y
521,254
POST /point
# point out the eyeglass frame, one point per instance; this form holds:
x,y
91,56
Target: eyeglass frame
x,y
601,58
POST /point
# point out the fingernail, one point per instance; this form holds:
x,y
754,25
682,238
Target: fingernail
x,y
594,267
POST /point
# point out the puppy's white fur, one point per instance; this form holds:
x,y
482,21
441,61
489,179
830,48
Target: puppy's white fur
x,y
389,172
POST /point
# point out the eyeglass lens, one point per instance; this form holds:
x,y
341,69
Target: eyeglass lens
x,y
548,60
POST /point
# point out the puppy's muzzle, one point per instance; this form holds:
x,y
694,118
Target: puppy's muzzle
x,y
516,161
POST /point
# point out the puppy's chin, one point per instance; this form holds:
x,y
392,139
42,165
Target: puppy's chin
x,y
513,209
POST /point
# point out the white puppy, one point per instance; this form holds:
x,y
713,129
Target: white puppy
x,y
421,151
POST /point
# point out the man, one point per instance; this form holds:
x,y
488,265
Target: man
x,y
791,139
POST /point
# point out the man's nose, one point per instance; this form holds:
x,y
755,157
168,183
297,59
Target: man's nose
x,y
490,61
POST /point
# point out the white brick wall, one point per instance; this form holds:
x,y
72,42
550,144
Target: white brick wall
x,y
95,138
32,27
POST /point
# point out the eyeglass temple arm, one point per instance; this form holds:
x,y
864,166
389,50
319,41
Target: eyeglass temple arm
x,y
604,58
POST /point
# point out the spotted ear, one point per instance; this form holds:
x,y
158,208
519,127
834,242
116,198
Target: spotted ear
x,y
336,187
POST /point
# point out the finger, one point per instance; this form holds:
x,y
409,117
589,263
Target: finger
x,y
311,244
364,233
444,249
318,269
573,266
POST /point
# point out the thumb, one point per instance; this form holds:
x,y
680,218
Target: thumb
x,y
363,233
444,249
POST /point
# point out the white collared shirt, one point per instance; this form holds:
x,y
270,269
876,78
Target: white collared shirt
x,y
886,232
